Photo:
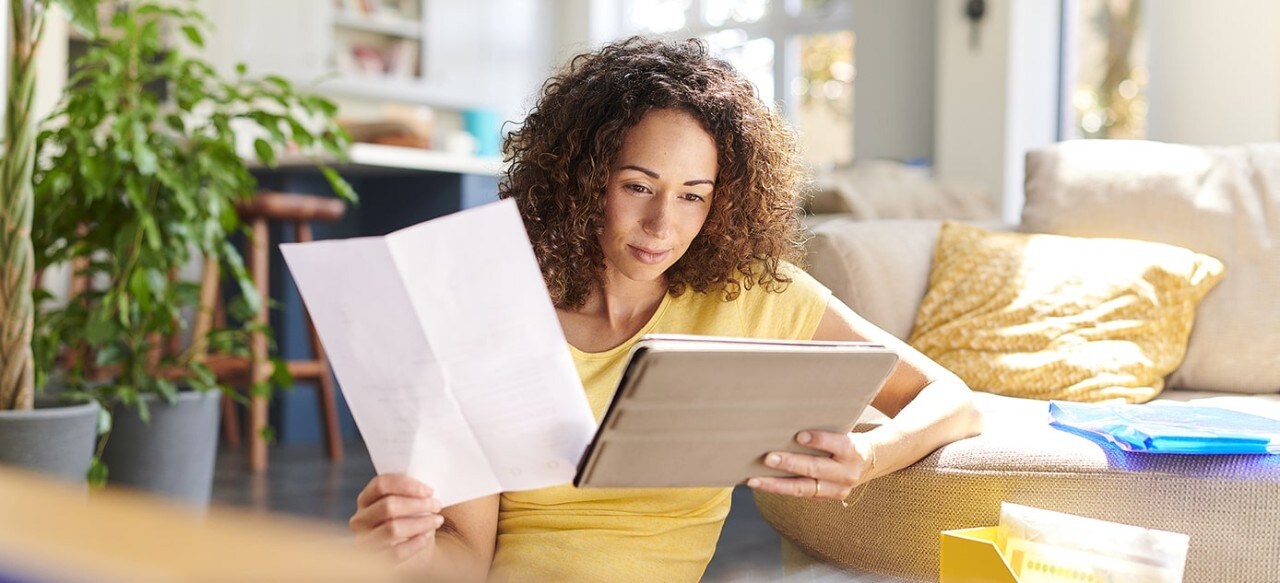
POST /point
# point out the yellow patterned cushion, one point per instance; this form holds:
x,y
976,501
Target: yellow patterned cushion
x,y
1053,317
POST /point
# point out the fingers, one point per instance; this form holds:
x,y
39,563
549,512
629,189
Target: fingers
x,y
390,497
810,466
402,537
392,484
839,445
390,508
801,487
817,476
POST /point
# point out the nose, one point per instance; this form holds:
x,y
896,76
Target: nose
x,y
657,219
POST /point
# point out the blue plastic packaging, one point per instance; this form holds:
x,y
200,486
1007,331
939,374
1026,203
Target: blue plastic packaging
x,y
1163,427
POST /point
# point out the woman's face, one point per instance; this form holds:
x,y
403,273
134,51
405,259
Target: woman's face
x,y
658,195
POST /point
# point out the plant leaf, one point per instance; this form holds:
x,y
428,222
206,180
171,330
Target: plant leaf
x,y
108,355
104,420
150,232
145,158
278,81
144,411
266,153
167,390
175,122
280,376
97,476
193,35
340,185
100,328
83,14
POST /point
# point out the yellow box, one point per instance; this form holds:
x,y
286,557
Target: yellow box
x,y
970,555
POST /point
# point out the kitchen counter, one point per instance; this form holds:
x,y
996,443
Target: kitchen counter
x,y
377,156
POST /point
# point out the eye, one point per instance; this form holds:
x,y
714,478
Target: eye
x,y
637,188
691,197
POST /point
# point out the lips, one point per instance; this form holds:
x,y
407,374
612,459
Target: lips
x,y
648,256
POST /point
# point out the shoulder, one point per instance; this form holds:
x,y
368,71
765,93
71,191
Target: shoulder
x,y
793,283
788,308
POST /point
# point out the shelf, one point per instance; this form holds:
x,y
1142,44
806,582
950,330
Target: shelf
x,y
410,29
390,89
427,160
401,158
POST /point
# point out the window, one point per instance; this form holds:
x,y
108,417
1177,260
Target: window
x,y
798,53
1104,68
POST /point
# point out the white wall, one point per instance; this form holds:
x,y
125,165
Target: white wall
x,y
1032,118
582,25
283,37
997,99
895,55
478,53
972,95
493,52
1215,71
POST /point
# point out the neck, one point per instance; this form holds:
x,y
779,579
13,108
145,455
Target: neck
x,y
622,301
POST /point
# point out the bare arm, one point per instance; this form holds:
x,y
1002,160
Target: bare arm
x,y
468,537
399,516
928,405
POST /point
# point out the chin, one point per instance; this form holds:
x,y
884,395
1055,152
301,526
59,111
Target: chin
x,y
645,273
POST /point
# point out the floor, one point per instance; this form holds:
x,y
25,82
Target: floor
x,y
301,481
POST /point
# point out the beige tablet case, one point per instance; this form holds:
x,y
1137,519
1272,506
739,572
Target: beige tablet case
x,y
695,411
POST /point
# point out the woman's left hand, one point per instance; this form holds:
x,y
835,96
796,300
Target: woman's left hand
x,y
832,478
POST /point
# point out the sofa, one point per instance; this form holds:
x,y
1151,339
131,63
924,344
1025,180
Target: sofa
x,y
1220,201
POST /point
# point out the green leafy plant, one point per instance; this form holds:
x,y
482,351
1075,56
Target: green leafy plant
x,y
26,30
134,182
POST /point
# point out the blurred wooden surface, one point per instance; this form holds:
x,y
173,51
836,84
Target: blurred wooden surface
x,y
51,532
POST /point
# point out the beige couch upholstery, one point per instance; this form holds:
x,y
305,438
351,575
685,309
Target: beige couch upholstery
x,y
1220,201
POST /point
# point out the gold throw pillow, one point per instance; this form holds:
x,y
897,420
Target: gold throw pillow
x,y
1055,317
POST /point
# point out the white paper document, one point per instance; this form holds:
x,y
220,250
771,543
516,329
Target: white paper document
x,y
449,352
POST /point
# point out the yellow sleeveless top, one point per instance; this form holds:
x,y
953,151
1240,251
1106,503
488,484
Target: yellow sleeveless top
x,y
644,534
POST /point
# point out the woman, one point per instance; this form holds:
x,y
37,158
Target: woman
x,y
660,195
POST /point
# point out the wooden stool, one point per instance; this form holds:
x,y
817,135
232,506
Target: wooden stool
x,y
264,208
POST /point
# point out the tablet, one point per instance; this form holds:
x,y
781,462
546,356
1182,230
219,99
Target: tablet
x,y
694,411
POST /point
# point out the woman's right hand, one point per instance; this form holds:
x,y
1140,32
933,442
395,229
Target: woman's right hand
x,y
398,516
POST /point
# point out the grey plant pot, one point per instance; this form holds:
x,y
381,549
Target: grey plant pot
x,y
172,455
54,439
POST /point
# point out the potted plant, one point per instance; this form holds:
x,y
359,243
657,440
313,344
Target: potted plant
x,y
47,435
138,176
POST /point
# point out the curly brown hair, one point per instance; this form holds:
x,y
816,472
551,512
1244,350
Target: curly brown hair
x,y
560,159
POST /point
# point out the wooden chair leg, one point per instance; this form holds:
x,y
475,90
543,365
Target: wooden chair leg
x,y
327,398
259,260
230,423
329,411
257,443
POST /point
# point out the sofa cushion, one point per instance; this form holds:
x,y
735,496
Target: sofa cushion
x,y
879,268
885,189
1052,317
1221,201
1226,503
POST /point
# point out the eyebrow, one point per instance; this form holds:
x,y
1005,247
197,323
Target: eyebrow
x,y
655,175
